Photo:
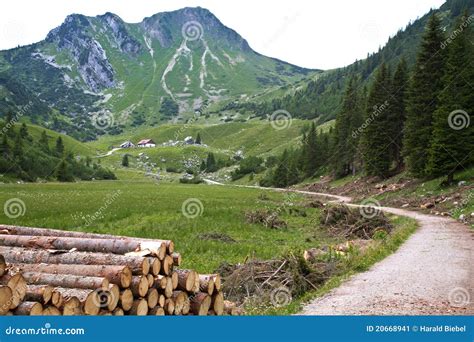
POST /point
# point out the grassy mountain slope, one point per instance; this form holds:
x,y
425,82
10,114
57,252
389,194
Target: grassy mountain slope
x,y
125,72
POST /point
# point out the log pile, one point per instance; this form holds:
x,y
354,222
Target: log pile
x,y
54,272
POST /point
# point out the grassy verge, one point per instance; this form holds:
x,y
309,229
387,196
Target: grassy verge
x,y
355,264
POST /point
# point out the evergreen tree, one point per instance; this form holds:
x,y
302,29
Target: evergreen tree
x,y
211,164
425,87
374,139
348,118
453,137
311,158
397,113
125,160
24,132
198,139
43,142
59,149
280,177
5,147
18,147
63,172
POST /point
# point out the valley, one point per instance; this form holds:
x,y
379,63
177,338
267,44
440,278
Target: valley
x,y
277,177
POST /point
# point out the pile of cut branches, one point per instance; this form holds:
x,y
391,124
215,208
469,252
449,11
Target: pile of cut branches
x,y
348,223
269,219
257,280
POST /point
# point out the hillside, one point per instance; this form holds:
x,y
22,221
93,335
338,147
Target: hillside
x,y
101,74
321,96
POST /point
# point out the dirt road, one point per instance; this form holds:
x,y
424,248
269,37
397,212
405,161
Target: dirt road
x,y
432,273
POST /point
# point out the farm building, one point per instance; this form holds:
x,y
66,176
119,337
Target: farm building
x,y
146,143
127,144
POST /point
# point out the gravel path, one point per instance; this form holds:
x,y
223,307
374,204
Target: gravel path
x,y
432,273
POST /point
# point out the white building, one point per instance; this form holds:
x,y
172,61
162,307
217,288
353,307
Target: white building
x,y
146,143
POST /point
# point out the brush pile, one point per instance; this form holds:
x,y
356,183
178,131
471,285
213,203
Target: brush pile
x,y
54,272
264,280
348,223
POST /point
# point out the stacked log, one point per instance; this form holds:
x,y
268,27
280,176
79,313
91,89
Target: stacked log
x,y
55,272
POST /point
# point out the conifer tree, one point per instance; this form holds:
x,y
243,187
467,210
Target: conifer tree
x,y
312,152
59,149
452,142
5,147
397,113
125,162
425,87
346,120
43,142
374,139
198,139
280,177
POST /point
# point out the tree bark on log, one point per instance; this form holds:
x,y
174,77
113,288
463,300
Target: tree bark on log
x,y
66,280
19,230
18,255
29,309
3,265
120,275
176,259
115,246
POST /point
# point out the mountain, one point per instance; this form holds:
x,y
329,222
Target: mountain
x,y
119,74
321,95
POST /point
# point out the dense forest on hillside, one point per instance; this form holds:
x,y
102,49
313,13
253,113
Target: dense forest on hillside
x,y
23,157
417,118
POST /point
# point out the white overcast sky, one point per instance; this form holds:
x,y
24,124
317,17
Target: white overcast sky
x,y
309,33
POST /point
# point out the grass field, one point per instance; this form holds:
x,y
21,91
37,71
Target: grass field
x,y
147,209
